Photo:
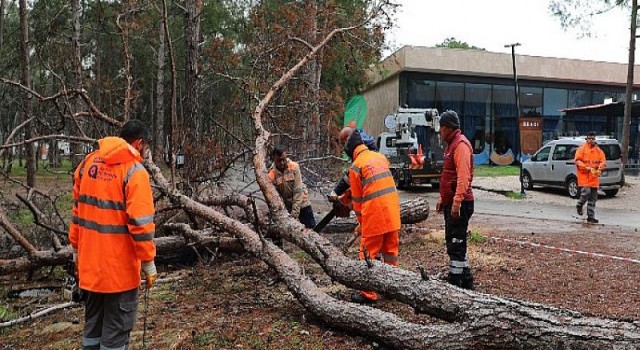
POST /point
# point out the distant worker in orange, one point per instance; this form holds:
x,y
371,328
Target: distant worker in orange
x,y
456,198
376,204
286,177
111,233
590,161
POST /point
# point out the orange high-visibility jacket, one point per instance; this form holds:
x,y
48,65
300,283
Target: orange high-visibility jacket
x,y
290,187
112,218
589,157
374,195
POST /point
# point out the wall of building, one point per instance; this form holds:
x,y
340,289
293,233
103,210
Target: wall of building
x,y
500,65
580,82
382,100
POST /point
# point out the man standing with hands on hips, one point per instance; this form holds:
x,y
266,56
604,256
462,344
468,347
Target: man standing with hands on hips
x,y
456,197
111,233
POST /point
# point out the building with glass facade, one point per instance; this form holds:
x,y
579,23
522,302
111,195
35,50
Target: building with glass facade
x,y
479,86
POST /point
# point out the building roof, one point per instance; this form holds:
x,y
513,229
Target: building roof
x,y
500,65
615,108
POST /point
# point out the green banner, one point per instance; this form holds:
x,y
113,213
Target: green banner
x,y
356,111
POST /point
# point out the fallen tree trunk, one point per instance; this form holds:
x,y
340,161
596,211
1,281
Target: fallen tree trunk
x,y
479,320
411,212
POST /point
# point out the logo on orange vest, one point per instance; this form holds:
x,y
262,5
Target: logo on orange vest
x,y
93,171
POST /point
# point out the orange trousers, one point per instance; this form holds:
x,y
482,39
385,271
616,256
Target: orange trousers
x,y
382,247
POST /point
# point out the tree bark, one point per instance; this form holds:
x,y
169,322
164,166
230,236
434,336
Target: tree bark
x,y
2,5
172,102
411,212
192,42
30,153
158,150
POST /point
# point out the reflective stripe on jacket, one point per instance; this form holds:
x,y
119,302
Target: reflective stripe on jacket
x,y
290,187
589,157
112,218
374,195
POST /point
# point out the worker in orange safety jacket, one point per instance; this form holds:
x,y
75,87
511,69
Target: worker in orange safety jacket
x,y
376,204
111,233
590,161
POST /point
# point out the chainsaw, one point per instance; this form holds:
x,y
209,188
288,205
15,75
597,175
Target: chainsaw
x,y
71,288
340,208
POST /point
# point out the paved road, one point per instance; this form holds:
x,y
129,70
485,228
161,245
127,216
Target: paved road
x,y
545,212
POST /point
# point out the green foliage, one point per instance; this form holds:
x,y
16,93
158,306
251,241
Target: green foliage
x,y
452,43
579,13
476,236
513,195
212,338
495,170
7,313
23,216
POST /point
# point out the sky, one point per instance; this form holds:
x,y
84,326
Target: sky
x,y
491,24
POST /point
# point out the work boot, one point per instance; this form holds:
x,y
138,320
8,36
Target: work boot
x,y
463,280
592,220
455,279
467,279
579,210
359,299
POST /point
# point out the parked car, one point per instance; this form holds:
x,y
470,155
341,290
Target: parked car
x,y
553,166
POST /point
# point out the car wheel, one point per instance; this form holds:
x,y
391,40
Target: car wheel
x,y
611,193
572,187
527,182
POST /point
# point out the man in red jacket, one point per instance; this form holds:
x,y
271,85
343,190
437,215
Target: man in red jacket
x,y
111,233
456,198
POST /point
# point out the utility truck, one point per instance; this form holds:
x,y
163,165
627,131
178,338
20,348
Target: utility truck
x,y
413,146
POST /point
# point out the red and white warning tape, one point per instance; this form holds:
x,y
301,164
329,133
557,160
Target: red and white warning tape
x,y
540,245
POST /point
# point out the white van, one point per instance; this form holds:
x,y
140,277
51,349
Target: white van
x,y
553,166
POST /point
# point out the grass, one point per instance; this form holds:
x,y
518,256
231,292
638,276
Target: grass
x,y
476,236
513,195
43,168
6,313
23,216
495,170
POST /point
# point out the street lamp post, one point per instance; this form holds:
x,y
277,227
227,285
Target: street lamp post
x,y
517,92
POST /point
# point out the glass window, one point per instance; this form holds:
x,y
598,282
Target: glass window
x,y
531,101
542,155
449,96
600,96
477,99
611,152
477,115
421,93
578,98
554,101
564,152
504,101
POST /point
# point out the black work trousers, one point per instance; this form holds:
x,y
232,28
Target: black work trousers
x,y
455,234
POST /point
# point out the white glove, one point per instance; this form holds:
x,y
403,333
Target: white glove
x,y
75,256
150,273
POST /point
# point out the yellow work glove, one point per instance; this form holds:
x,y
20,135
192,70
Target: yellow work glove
x,y
150,273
